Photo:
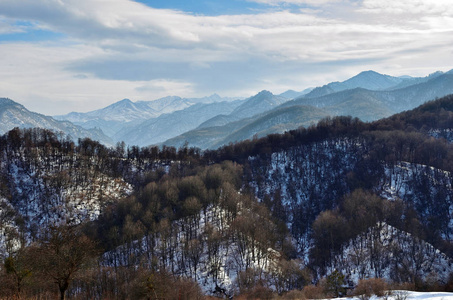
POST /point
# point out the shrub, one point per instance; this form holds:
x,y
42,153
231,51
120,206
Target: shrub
x,y
400,290
400,295
368,287
314,292
150,285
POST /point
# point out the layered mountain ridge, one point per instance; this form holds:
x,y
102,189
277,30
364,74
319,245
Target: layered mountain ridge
x,y
365,104
213,121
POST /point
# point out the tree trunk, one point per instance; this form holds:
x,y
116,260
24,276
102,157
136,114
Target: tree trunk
x,y
63,287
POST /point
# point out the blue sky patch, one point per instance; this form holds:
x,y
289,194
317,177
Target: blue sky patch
x,y
209,8
28,32
31,36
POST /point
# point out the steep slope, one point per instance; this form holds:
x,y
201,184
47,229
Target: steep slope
x,y
261,102
46,181
274,121
13,114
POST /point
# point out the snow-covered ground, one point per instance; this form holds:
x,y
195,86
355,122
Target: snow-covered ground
x,y
204,247
411,296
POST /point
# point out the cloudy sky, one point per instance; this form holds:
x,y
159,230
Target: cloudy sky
x,y
58,56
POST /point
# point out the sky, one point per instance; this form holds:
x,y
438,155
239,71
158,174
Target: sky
x,y
58,56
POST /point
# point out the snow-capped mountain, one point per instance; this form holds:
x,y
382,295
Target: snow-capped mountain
x,y
127,114
368,96
165,126
13,114
123,111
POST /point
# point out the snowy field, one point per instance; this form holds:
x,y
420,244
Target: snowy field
x,y
411,296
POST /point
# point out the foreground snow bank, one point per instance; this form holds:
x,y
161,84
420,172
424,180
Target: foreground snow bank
x,y
412,296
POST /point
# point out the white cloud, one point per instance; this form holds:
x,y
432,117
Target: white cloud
x,y
296,2
403,7
126,26
119,49
33,75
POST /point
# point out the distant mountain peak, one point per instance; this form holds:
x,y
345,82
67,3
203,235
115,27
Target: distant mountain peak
x,y
370,80
122,103
264,93
125,100
7,101
369,72
263,96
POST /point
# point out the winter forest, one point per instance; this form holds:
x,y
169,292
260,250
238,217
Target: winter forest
x,y
338,208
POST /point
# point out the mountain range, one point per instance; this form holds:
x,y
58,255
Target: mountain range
x,y
213,121
365,104
126,113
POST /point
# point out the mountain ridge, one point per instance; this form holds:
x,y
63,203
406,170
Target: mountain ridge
x,y
13,114
367,105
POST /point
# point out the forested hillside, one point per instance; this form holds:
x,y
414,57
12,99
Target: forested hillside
x,y
309,213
